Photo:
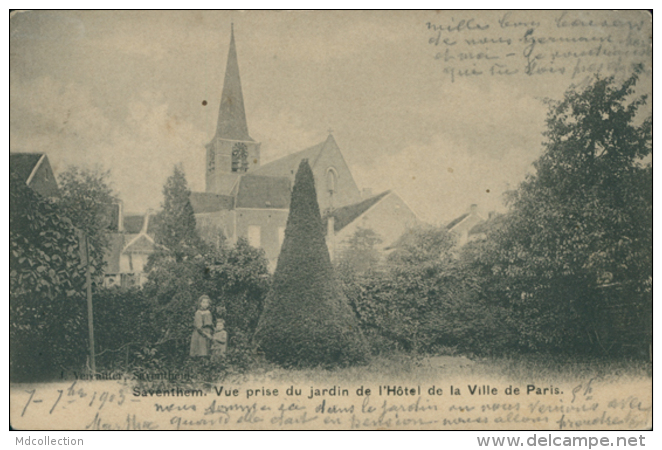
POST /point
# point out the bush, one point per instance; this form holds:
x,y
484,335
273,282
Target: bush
x,y
123,327
416,301
46,288
307,320
235,278
567,270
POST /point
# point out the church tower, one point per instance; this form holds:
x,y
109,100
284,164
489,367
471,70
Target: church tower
x,y
232,151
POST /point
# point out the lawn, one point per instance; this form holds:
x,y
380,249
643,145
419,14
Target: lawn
x,y
400,368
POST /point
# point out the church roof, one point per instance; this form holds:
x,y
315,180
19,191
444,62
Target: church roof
x,y
287,166
348,214
226,183
263,192
231,114
204,202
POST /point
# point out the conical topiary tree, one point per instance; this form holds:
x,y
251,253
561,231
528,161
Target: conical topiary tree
x,y
307,320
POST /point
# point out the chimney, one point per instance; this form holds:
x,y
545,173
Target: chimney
x,y
120,216
366,193
473,209
146,221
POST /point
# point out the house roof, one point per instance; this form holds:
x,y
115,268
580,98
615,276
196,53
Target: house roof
x,y
133,223
479,228
22,164
287,166
263,192
141,243
35,171
204,202
347,214
456,221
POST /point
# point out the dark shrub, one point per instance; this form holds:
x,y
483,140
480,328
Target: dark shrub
x,y
123,327
47,330
307,320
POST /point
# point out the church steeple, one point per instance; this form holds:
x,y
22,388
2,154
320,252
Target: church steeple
x,y
231,115
231,152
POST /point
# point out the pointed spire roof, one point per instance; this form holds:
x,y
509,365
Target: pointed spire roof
x,y
231,114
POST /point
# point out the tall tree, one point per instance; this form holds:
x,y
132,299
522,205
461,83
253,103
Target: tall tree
x,y
575,249
307,320
176,220
88,200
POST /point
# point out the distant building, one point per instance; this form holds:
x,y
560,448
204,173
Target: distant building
x,y
245,199
35,170
129,251
469,226
386,214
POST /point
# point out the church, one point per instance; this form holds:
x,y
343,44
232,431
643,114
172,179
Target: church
x,y
245,199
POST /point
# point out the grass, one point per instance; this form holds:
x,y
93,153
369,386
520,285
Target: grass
x,y
405,369
402,368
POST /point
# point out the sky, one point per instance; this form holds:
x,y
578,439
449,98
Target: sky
x,y
445,108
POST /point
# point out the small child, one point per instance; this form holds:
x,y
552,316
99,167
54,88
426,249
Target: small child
x,y
203,327
219,341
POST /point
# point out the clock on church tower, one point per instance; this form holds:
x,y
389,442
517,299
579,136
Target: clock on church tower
x,y
239,157
232,151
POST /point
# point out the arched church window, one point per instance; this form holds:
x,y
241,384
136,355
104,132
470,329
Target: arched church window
x,y
239,157
331,180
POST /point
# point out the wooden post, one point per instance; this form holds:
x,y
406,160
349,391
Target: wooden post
x,y
85,256
90,315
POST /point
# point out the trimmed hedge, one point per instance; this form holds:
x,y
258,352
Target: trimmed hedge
x,y
307,320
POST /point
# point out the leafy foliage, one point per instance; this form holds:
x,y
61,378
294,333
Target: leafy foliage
x,y
176,221
306,319
360,254
87,200
416,301
147,330
422,246
574,253
46,287
236,279
123,327
568,269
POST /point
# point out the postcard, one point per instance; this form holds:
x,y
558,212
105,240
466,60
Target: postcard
x,y
331,220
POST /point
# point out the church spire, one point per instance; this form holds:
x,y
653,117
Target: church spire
x,y
231,115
